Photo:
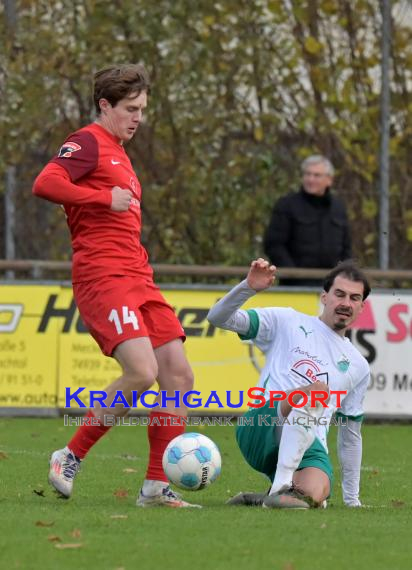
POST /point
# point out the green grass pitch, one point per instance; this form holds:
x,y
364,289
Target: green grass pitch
x,y
100,527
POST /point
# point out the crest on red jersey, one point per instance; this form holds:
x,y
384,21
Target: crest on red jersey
x,y
68,149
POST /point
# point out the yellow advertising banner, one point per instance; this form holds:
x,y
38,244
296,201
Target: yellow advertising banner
x,y
45,349
28,359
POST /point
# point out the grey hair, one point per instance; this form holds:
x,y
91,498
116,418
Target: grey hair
x,y
316,159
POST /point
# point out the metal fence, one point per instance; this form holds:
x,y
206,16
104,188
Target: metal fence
x,y
40,269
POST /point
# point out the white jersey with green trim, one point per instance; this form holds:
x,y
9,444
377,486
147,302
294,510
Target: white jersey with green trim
x,y
301,349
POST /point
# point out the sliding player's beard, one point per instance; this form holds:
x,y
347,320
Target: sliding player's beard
x,y
344,319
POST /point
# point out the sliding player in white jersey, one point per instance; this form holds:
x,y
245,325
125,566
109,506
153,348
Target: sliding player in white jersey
x,y
307,353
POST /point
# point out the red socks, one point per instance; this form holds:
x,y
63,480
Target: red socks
x,y
86,436
160,432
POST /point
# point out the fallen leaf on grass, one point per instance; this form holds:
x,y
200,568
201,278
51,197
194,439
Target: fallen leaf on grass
x,y
63,546
39,492
3,455
398,504
129,470
119,516
323,525
288,566
121,493
54,538
76,533
44,523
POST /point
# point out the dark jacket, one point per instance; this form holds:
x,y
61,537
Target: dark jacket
x,y
308,231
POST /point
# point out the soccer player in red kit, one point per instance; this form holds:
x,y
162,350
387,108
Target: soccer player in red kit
x,y
92,177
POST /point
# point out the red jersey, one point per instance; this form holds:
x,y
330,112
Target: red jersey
x,y
81,177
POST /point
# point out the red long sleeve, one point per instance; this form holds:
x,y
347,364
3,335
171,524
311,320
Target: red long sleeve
x,y
54,184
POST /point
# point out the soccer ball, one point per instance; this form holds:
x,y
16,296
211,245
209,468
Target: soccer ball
x,y
192,461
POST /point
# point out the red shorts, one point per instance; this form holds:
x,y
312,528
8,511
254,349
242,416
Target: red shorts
x,y
115,309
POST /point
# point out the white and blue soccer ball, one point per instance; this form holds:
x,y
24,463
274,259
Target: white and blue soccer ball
x,y
192,461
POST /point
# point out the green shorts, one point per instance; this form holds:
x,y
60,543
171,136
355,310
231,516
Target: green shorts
x,y
259,444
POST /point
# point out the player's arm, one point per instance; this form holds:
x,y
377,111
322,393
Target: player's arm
x,y
226,314
62,180
350,458
54,184
350,443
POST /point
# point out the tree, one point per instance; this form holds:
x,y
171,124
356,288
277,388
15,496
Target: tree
x,y
242,92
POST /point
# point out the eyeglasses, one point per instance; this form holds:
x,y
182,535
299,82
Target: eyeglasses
x,y
315,174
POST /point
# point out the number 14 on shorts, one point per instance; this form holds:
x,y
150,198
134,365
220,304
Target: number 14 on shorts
x,y
128,318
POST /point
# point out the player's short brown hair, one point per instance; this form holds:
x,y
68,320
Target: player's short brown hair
x,y
351,271
119,81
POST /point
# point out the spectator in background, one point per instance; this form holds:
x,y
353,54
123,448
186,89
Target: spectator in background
x,y
309,228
